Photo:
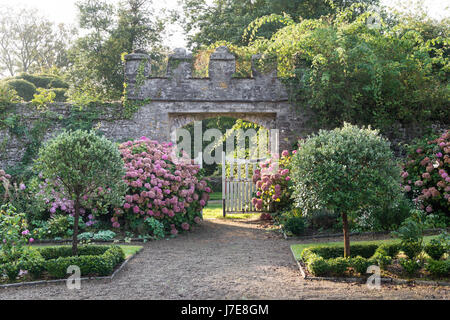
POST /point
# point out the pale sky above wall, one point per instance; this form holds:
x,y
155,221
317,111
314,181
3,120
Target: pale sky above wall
x,y
66,12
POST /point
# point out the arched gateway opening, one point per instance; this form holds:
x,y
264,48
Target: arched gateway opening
x,y
178,99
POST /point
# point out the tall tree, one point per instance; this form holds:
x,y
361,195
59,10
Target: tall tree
x,y
29,42
112,30
227,19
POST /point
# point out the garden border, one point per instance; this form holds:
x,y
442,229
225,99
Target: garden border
x,y
339,235
362,280
45,282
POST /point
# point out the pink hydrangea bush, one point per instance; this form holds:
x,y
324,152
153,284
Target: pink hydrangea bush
x,y
91,205
273,183
171,191
426,177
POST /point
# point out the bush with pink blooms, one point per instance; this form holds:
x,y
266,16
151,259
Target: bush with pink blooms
x,y
160,186
426,174
273,183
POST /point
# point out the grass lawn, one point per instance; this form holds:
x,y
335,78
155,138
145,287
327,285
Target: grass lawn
x,y
298,248
216,196
215,211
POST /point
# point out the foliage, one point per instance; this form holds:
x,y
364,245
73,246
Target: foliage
x,y
345,170
80,166
43,98
425,175
328,260
44,81
96,67
102,235
99,264
155,228
437,247
30,42
207,22
410,266
60,94
411,234
295,225
340,68
438,269
161,185
387,218
24,89
58,226
273,183
360,264
14,237
8,97
322,219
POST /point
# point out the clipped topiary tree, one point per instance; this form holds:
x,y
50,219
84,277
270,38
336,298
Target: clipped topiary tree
x,y
82,166
24,89
345,170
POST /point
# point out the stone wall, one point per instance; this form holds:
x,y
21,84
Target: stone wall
x,y
178,99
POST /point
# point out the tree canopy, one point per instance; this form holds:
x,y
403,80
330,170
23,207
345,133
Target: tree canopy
x,y
226,20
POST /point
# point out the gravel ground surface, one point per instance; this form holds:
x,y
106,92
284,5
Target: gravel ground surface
x,y
220,260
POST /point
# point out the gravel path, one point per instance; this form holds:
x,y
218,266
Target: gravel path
x,y
219,260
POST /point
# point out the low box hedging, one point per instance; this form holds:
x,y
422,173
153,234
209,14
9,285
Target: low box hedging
x,y
95,260
66,251
92,261
329,261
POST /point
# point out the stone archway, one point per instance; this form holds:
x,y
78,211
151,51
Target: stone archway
x,y
179,99
179,120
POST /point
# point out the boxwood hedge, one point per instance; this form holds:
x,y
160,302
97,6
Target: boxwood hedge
x,y
329,261
92,261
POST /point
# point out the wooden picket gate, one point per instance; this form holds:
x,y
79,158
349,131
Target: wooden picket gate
x,y
237,185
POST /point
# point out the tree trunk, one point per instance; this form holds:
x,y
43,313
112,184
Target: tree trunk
x,y
75,228
346,236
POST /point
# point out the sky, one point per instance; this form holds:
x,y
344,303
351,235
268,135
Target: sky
x,y
65,11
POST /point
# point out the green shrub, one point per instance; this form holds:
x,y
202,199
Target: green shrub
x,y
24,89
345,170
83,161
65,251
330,260
389,249
435,249
60,94
381,259
331,252
34,263
11,269
360,264
39,81
411,249
98,264
8,96
438,268
58,226
322,219
155,228
338,266
386,218
318,266
410,266
295,225
58,84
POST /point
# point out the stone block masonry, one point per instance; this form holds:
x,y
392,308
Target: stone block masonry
x,y
176,100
